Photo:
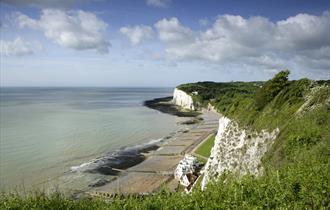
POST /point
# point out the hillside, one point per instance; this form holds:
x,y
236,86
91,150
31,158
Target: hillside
x,y
297,165
300,109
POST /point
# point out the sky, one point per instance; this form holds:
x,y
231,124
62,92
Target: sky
x,y
161,43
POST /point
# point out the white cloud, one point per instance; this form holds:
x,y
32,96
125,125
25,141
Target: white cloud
x,y
302,40
137,33
77,30
158,3
305,31
171,31
19,47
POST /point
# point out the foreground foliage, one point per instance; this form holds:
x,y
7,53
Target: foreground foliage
x,y
297,167
299,186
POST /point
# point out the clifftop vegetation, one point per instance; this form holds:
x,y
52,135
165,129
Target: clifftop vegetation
x,y
297,167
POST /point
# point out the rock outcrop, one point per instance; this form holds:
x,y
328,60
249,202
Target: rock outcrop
x,y
186,169
237,150
182,99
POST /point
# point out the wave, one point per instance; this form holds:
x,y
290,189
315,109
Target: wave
x,y
113,163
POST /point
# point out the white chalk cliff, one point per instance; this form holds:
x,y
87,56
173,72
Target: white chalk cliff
x,y
186,166
182,99
237,150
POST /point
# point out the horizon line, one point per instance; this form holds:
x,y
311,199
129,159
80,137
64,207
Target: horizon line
x,y
12,86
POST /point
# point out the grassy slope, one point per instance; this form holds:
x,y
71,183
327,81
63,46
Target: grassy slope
x,y
205,148
297,167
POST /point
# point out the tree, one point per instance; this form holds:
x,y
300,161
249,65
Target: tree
x,y
271,88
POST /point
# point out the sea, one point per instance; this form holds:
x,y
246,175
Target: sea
x,y
71,139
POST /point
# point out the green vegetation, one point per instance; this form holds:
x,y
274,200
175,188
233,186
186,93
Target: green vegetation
x,y
305,186
205,148
209,91
297,167
270,89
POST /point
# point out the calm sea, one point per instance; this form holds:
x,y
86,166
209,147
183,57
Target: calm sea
x,y
45,133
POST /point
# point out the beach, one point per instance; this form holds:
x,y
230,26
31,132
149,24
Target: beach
x,y
156,172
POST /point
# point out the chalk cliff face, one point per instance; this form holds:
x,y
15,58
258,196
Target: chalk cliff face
x,y
182,99
236,150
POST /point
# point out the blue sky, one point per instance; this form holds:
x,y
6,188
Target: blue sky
x,y
160,42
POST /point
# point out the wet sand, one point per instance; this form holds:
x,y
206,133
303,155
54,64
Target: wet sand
x,y
156,172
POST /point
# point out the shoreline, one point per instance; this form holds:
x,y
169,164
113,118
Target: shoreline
x,y
117,162
156,171
166,106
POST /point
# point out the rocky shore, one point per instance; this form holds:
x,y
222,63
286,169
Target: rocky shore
x,y
165,105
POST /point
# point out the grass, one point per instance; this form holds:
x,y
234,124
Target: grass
x,y
298,185
201,159
205,148
198,184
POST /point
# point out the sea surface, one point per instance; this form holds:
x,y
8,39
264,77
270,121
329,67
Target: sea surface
x,y
55,137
